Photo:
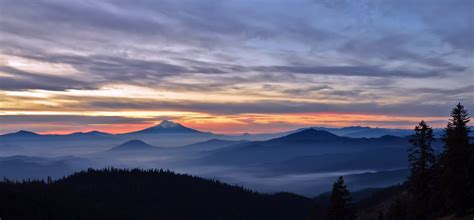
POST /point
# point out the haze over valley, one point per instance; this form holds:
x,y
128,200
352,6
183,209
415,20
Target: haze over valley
x,y
302,161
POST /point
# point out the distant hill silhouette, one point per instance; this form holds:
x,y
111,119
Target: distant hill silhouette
x,y
307,142
133,145
307,135
21,134
24,167
143,194
91,134
363,131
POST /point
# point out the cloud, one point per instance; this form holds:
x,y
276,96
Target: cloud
x,y
23,80
370,71
239,57
192,30
68,119
262,106
307,90
455,91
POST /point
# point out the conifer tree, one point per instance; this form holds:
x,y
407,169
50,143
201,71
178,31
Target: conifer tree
x,y
397,211
421,160
340,207
455,179
471,173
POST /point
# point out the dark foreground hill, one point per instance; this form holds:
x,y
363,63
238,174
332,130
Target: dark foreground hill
x,y
143,194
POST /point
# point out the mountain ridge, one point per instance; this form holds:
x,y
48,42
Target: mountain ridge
x,y
305,142
166,126
309,134
173,127
133,145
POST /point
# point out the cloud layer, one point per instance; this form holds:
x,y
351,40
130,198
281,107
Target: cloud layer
x,y
122,62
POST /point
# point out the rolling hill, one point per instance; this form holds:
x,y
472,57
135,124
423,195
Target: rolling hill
x,y
134,145
309,142
143,194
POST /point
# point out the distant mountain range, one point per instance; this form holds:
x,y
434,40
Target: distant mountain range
x,y
165,134
303,143
91,134
368,132
286,161
170,127
20,134
23,167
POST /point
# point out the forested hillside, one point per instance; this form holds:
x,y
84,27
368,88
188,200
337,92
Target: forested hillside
x,y
142,194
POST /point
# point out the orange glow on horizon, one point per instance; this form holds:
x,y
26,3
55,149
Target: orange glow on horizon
x,y
110,128
261,123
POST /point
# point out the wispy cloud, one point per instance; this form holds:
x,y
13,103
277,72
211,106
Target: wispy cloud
x,y
232,58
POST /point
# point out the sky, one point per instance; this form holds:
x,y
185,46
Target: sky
x,y
233,66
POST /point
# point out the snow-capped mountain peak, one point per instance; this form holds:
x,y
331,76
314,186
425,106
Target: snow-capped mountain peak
x,y
168,124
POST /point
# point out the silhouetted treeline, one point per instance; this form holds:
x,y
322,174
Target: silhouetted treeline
x,y
440,184
142,194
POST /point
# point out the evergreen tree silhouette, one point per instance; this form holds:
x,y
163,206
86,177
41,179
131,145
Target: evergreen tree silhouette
x,y
397,211
455,179
471,173
421,159
380,216
340,207
437,204
113,193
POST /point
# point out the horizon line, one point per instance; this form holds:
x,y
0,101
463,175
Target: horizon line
x,y
70,132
